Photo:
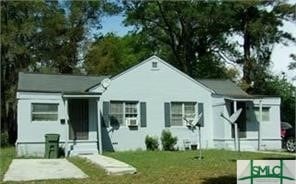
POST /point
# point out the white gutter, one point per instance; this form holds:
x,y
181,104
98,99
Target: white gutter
x,y
259,125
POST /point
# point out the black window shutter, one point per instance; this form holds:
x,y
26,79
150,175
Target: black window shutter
x,y
143,116
201,110
167,114
106,108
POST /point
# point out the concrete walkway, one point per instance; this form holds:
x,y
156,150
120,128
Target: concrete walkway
x,y
42,169
110,165
277,153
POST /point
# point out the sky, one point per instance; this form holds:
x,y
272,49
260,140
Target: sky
x,y
280,56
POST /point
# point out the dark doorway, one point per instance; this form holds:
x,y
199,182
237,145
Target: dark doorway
x,y
241,121
78,119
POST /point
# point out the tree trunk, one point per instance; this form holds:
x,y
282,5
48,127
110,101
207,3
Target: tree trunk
x,y
247,66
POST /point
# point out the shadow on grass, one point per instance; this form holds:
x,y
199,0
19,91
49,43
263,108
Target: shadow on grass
x,y
198,158
230,179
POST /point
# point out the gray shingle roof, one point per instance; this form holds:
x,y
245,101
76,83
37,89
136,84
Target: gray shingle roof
x,y
224,87
57,82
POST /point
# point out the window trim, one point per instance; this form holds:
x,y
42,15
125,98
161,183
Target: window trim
x,y
183,112
49,113
124,124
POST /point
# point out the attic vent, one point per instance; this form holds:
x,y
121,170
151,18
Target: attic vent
x,y
154,64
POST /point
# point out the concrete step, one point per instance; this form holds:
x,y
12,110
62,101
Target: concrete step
x,y
121,171
83,148
76,152
110,165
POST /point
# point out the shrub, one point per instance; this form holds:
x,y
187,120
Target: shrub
x,y
151,143
168,141
4,139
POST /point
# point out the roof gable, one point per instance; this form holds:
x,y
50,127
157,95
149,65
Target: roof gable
x,y
153,58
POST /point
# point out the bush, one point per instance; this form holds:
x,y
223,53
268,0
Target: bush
x,y
168,141
4,139
151,143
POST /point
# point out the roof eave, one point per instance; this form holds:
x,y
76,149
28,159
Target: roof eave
x,y
62,92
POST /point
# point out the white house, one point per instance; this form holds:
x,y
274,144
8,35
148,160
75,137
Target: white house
x,y
102,113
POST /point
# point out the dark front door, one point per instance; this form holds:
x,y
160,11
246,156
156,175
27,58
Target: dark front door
x,y
241,121
78,119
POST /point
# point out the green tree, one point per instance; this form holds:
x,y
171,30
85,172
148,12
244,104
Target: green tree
x,y
258,24
111,54
292,65
43,36
280,86
19,26
67,28
190,34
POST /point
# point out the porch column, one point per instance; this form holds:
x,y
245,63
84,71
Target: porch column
x,y
99,127
66,116
235,127
259,125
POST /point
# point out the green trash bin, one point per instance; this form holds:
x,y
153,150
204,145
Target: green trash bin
x,y
52,145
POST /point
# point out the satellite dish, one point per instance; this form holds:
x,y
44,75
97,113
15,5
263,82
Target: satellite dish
x,y
234,116
195,121
232,120
192,125
106,83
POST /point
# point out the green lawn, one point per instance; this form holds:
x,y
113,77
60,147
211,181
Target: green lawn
x,y
6,155
218,166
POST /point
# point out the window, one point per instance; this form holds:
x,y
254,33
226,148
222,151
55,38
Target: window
x,y
131,110
265,113
116,111
181,110
44,112
177,114
189,111
122,112
154,64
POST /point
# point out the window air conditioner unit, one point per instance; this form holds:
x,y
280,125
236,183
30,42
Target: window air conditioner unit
x,y
131,122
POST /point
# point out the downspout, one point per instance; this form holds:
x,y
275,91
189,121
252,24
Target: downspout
x,y
99,127
259,125
66,126
235,127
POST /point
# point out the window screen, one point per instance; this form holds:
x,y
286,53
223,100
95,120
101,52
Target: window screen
x,y
131,110
177,114
265,113
180,110
189,110
116,112
44,112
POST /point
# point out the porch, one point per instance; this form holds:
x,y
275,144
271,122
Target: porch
x,y
81,119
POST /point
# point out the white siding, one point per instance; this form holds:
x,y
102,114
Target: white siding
x,y
270,131
31,138
155,87
34,131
